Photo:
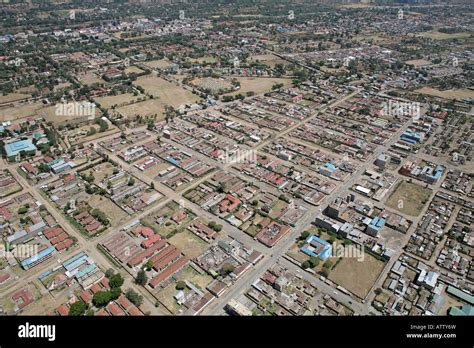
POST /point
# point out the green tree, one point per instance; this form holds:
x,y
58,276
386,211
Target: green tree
x,y
141,278
78,308
101,298
305,265
304,235
180,285
109,273
227,268
313,261
116,281
134,297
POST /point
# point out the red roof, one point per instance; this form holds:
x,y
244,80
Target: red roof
x,y
168,271
150,241
95,288
137,259
102,312
63,310
86,296
134,311
124,302
114,309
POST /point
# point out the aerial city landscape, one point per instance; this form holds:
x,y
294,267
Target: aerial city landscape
x,y
244,158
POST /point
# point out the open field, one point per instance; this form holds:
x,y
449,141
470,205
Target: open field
x,y
190,244
160,63
449,93
409,198
436,35
204,60
20,111
109,101
418,62
133,69
357,276
191,275
148,107
268,59
113,212
12,97
90,78
212,84
166,92
258,84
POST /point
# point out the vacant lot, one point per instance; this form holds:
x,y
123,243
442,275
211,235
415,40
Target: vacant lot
x,y
191,275
133,69
113,212
13,96
160,63
268,59
19,111
409,198
166,92
212,84
357,276
118,100
258,84
436,35
190,244
204,60
449,93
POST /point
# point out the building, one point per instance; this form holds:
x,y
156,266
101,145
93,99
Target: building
x,y
317,247
237,308
16,148
374,226
382,160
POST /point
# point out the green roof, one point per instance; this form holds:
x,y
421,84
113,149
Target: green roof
x,y
461,294
464,310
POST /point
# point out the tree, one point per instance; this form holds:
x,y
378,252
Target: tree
x,y
134,297
325,272
141,278
313,261
78,308
115,293
109,273
328,264
305,265
227,268
378,291
180,285
101,298
304,235
116,281
148,265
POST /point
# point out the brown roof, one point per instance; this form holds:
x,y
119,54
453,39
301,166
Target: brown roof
x,y
124,302
86,296
114,309
63,310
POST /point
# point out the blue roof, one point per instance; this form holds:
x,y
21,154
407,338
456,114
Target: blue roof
x,y
74,258
408,140
86,270
39,256
76,263
330,166
16,147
